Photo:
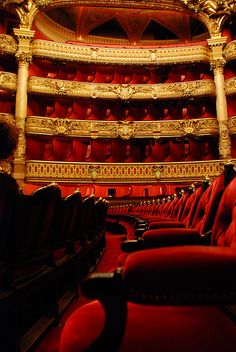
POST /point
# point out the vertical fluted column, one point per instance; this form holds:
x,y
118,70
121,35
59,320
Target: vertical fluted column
x,y
217,65
23,56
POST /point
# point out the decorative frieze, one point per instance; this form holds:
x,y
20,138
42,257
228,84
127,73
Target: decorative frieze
x,y
45,171
8,44
8,117
54,87
132,56
230,86
230,51
120,129
232,125
8,81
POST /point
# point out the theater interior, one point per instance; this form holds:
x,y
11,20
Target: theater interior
x,y
122,236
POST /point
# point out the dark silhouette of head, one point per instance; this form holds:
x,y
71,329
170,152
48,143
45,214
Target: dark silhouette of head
x,y
9,135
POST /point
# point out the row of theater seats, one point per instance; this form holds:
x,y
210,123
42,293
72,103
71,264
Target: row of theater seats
x,y
79,150
116,111
165,293
119,74
48,245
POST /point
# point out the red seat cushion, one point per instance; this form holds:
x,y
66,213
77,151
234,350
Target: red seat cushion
x,y
153,328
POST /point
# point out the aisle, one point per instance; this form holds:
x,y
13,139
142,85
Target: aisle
x,y
109,261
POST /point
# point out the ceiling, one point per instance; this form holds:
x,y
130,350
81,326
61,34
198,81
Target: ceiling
x,y
134,26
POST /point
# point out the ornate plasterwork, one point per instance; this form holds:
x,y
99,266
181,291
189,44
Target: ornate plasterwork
x,y
8,81
42,171
120,91
230,86
212,8
139,56
232,125
8,44
26,10
8,117
230,51
122,129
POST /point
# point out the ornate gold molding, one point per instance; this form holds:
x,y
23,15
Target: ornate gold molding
x,y
211,8
232,125
229,51
8,44
57,87
120,129
8,81
8,117
82,53
42,171
230,86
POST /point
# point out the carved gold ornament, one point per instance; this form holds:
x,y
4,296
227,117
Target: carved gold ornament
x,y
125,92
121,129
140,56
211,7
46,171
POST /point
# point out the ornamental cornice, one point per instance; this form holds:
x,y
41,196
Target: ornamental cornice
x,y
8,44
8,81
56,87
230,86
93,54
36,125
232,125
42,171
230,51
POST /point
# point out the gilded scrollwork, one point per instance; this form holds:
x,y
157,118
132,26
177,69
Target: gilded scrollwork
x,y
230,51
232,125
211,8
124,92
7,81
82,53
46,171
121,129
7,44
224,140
230,86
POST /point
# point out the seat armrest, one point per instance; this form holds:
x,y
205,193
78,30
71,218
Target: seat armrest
x,y
130,246
170,237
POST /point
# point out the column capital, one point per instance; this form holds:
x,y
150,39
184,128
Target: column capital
x,y
217,60
24,37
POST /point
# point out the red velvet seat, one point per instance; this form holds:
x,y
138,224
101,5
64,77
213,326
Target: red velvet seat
x,y
164,299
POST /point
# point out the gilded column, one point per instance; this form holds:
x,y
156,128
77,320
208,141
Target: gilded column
x,y
217,65
23,56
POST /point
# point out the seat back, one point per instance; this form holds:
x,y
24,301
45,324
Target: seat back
x,y
224,229
31,231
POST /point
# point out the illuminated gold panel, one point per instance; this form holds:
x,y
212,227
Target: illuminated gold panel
x,y
102,55
230,86
42,171
7,44
121,129
121,91
8,81
232,125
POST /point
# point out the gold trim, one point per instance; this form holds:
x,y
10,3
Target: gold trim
x,y
230,86
46,171
138,56
37,85
120,129
232,125
8,81
229,51
8,44
8,117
